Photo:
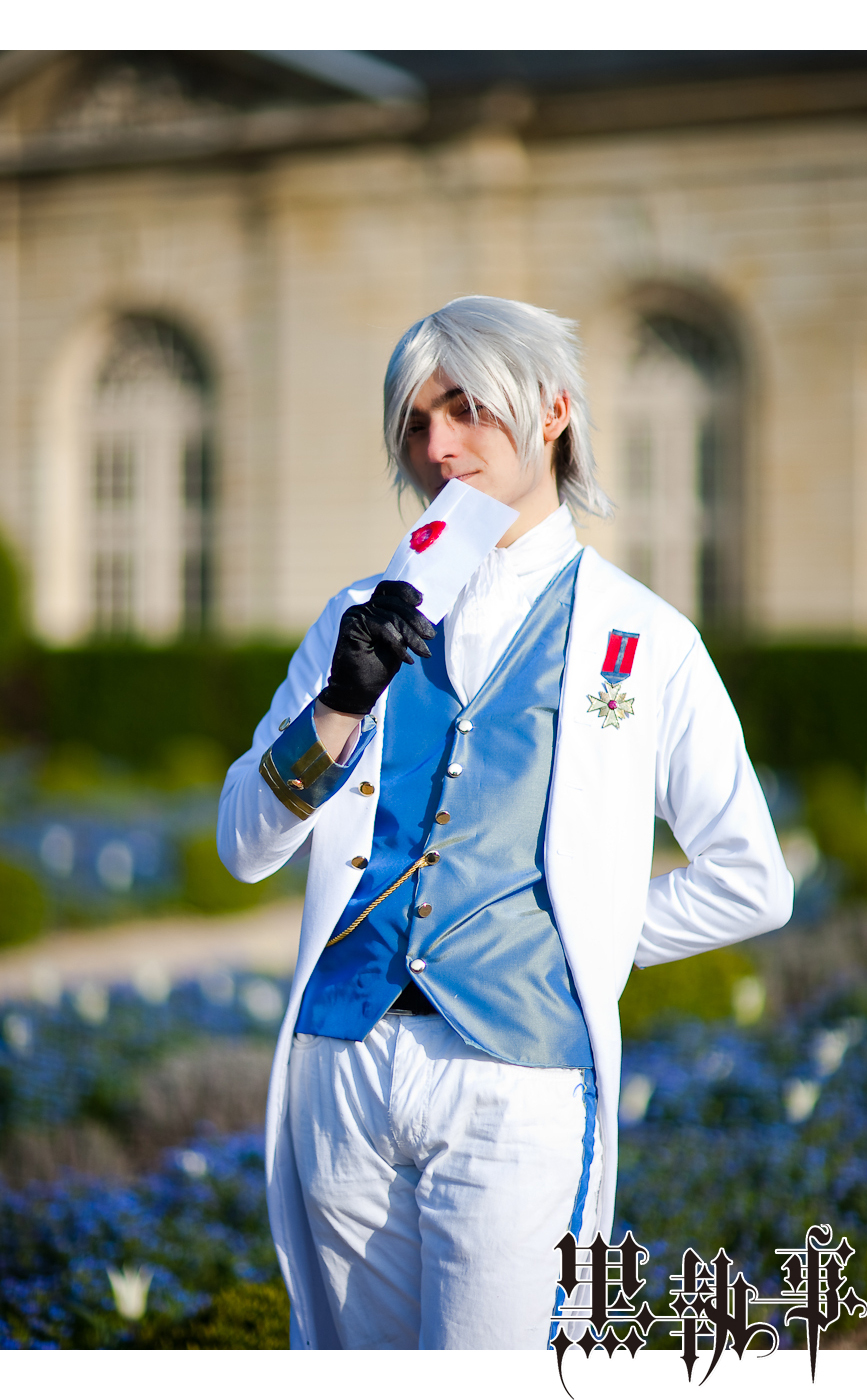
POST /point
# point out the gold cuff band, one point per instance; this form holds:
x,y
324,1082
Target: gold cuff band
x,y
289,796
312,764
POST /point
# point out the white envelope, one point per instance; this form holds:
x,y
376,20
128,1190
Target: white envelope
x,y
447,544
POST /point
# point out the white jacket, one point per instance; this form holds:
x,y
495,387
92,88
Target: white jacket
x,y
680,756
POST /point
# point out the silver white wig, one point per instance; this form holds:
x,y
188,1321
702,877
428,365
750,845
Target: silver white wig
x,y
513,360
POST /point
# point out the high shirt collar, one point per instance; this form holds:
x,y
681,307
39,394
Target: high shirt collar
x,y
552,542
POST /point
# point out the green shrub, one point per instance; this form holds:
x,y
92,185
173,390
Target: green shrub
x,y
74,769
700,986
22,905
208,886
10,604
836,815
189,759
244,1317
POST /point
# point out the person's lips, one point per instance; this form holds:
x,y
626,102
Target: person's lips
x,y
459,476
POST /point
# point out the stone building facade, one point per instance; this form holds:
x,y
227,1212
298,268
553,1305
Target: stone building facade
x,y
206,258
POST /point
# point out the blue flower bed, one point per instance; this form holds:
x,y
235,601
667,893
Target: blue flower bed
x,y
749,1137
199,1223
56,1067
197,1233
741,1138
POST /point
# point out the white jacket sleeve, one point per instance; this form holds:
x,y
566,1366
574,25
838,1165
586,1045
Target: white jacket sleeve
x,y
736,884
256,834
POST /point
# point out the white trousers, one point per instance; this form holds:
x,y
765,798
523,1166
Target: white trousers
x,y
437,1182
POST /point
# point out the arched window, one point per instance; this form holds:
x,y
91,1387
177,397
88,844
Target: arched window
x,y
679,487
150,484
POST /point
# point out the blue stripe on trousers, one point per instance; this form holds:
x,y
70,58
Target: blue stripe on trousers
x,y
590,1100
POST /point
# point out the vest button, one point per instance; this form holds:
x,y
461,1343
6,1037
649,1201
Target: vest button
x,y
423,910
464,726
366,789
417,965
360,862
455,770
431,857
443,817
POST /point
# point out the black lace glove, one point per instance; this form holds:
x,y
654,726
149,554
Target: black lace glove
x,y
374,639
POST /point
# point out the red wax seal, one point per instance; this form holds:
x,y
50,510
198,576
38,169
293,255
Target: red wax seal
x,y
426,535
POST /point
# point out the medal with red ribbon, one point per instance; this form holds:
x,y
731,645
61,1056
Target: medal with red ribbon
x,y
611,704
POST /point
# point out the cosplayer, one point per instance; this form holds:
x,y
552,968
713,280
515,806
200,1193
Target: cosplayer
x,y
481,797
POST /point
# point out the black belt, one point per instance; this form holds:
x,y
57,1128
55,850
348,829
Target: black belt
x,y
413,1002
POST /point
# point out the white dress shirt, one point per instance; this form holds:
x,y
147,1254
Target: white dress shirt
x,y
492,605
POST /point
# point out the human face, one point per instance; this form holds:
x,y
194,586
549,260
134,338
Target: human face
x,y
445,444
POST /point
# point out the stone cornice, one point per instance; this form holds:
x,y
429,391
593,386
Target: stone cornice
x,y
532,115
198,138
541,116
765,98
16,65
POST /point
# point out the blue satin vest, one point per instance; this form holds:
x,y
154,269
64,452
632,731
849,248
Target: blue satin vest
x,y
493,963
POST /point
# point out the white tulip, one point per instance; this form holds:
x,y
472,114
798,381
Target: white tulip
x,y
130,1289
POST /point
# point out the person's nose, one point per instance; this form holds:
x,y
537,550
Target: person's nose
x,y
443,443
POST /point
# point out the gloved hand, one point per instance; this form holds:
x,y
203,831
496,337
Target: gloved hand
x,y
374,639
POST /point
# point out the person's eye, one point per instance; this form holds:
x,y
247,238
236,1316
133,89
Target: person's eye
x,y
482,416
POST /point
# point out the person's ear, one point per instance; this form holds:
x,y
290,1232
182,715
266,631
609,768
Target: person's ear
x,y
556,420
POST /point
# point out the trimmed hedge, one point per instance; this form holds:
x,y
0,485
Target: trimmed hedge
x,y
129,700
797,701
11,629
